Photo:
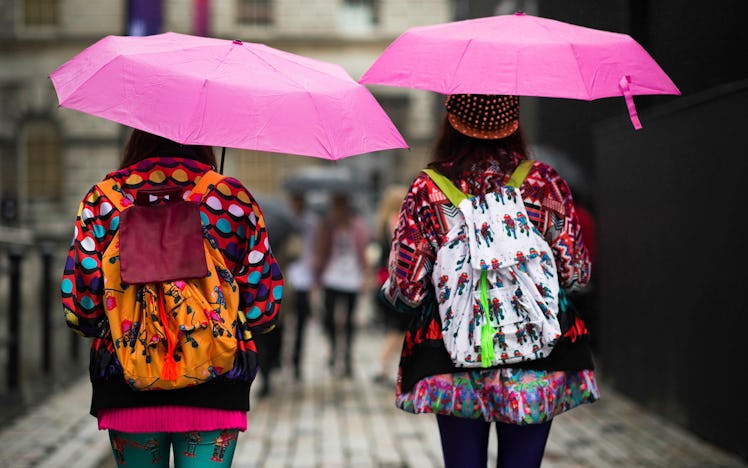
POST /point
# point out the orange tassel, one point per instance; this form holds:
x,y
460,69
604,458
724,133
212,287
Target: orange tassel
x,y
169,370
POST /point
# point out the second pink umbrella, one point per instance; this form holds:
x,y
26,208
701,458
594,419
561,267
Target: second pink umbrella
x,y
521,55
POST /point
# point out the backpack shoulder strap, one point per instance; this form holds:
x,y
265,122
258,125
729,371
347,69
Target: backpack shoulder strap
x,y
107,186
520,173
453,194
209,179
456,195
206,182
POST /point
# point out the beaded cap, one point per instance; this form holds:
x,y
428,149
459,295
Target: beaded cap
x,y
487,116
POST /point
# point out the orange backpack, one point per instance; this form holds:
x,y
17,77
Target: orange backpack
x,y
176,333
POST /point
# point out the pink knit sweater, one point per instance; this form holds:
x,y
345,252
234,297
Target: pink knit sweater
x,y
170,419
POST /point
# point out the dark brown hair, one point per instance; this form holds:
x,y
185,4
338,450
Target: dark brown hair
x,y
455,152
143,145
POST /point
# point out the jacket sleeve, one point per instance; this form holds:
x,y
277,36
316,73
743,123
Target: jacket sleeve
x,y
563,231
82,284
413,250
257,272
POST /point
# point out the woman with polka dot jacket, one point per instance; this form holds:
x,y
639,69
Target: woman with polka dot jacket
x,y
144,424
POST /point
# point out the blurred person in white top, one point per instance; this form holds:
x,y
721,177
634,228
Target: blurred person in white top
x,y
340,266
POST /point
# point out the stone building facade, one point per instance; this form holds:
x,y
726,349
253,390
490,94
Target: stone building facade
x,y
50,156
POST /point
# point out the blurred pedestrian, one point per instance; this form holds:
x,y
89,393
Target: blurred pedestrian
x,y
300,273
478,150
201,420
269,351
340,267
395,323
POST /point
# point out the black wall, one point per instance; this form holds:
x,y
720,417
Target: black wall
x,y
669,202
671,274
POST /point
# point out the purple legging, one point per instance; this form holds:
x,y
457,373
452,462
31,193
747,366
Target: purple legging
x,y
465,443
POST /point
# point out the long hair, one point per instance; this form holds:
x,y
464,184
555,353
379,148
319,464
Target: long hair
x,y
455,152
143,145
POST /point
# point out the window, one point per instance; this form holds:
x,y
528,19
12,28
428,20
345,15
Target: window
x,y
42,148
258,169
40,12
8,187
371,7
255,12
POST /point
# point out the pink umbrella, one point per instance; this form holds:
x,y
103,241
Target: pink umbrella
x,y
206,91
521,55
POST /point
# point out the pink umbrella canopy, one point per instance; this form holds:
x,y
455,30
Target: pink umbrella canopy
x,y
215,92
521,55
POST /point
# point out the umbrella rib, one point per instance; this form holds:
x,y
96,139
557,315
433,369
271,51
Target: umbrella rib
x,y
62,69
84,82
197,112
81,85
462,55
579,72
544,26
316,109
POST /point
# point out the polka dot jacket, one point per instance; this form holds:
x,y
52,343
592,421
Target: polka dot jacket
x,y
231,218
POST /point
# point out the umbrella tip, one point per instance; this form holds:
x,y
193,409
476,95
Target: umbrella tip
x,y
237,42
519,13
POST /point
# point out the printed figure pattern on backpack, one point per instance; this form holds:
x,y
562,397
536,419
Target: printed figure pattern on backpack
x,y
171,334
496,281
232,221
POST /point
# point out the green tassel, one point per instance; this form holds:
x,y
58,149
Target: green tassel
x,y
487,331
486,345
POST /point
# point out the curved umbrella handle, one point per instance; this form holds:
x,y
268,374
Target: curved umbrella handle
x,y
624,84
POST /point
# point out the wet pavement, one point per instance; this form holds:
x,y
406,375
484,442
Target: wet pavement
x,y
327,421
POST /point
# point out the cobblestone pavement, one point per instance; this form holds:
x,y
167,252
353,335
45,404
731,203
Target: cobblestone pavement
x,y
328,422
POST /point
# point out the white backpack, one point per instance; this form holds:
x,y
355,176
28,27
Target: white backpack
x,y
495,279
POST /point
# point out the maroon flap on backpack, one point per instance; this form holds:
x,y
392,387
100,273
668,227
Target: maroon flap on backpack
x,y
161,241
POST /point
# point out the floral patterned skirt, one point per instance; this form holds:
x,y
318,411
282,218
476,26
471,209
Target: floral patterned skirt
x,y
517,396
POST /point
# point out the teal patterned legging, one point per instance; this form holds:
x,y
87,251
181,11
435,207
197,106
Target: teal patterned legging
x,y
191,449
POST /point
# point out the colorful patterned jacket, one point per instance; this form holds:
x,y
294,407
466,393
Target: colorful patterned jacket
x,y
231,218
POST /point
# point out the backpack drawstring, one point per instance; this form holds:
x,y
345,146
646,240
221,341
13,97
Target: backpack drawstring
x,y
169,370
488,330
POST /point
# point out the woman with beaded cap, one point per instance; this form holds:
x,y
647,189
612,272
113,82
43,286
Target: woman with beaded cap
x,y
479,148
